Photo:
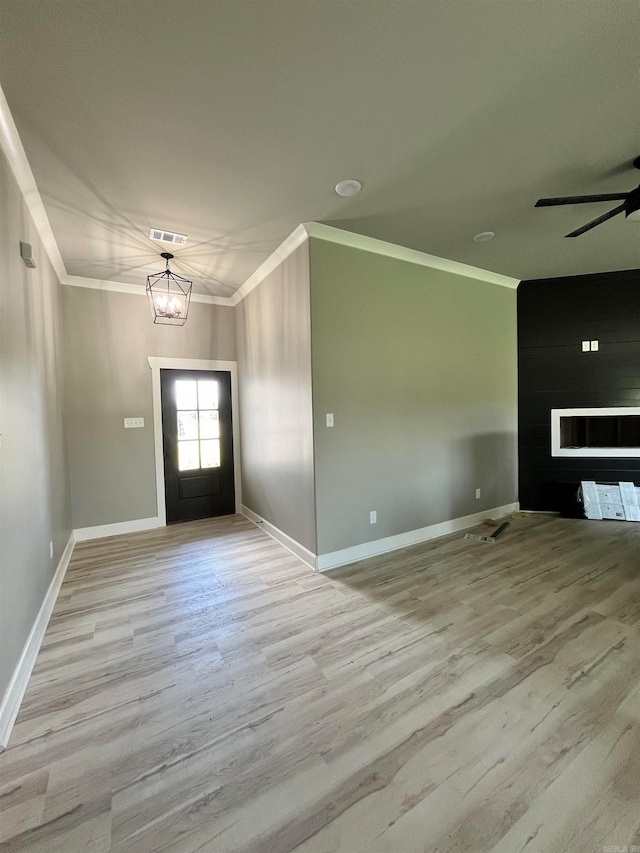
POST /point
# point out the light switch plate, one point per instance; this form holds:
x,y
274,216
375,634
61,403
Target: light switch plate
x,y
329,420
373,517
594,346
586,346
133,423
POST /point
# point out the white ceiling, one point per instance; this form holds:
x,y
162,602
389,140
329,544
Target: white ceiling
x,y
232,122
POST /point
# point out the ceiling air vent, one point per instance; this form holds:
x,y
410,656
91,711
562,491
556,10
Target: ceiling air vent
x,y
162,236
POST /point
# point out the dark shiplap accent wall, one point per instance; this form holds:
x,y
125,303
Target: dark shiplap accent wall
x,y
554,317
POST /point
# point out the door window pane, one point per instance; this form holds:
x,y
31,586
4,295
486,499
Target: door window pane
x,y
207,394
210,452
188,425
188,455
186,394
209,425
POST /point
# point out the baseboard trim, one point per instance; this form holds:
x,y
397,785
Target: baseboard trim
x,y
333,560
295,548
103,530
12,699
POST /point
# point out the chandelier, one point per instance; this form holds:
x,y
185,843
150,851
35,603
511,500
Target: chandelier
x,y
169,295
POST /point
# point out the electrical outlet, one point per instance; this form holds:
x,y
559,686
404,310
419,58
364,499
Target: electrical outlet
x,y
133,423
477,494
373,517
586,346
51,550
329,419
594,346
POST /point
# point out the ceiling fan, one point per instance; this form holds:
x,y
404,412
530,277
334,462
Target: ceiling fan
x,y
630,205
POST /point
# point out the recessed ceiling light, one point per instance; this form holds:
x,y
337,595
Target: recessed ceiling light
x,y
162,236
483,236
348,188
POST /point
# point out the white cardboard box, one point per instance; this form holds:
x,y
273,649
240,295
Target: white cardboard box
x,y
602,500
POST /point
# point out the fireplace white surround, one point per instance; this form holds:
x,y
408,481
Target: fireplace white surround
x,y
557,448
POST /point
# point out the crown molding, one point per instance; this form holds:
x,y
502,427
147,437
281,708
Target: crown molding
x,y
14,151
286,248
368,244
134,289
401,253
293,241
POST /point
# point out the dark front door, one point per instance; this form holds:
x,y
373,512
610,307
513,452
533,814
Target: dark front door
x,y
198,444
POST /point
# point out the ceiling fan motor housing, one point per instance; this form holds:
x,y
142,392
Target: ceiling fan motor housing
x,y
632,205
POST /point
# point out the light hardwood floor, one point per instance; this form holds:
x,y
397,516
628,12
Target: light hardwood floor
x,y
200,689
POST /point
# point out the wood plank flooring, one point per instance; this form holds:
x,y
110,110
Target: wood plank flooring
x,y
199,689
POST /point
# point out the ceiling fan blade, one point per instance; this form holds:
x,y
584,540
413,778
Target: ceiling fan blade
x,y
580,199
609,215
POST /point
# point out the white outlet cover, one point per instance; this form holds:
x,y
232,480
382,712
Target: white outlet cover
x,y
586,346
51,550
477,493
329,419
133,423
373,517
594,346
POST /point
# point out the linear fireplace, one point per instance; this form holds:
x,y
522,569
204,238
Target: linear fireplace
x,y
603,432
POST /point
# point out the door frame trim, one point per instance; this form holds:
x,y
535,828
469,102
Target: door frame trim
x,y
158,363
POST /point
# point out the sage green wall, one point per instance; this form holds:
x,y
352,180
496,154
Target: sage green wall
x,y
109,337
35,506
419,368
276,430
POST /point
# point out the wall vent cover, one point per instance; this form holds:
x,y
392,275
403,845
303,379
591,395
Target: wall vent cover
x,y
162,236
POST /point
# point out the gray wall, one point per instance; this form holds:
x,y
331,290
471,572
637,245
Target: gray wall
x,y
419,368
274,363
109,337
34,489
